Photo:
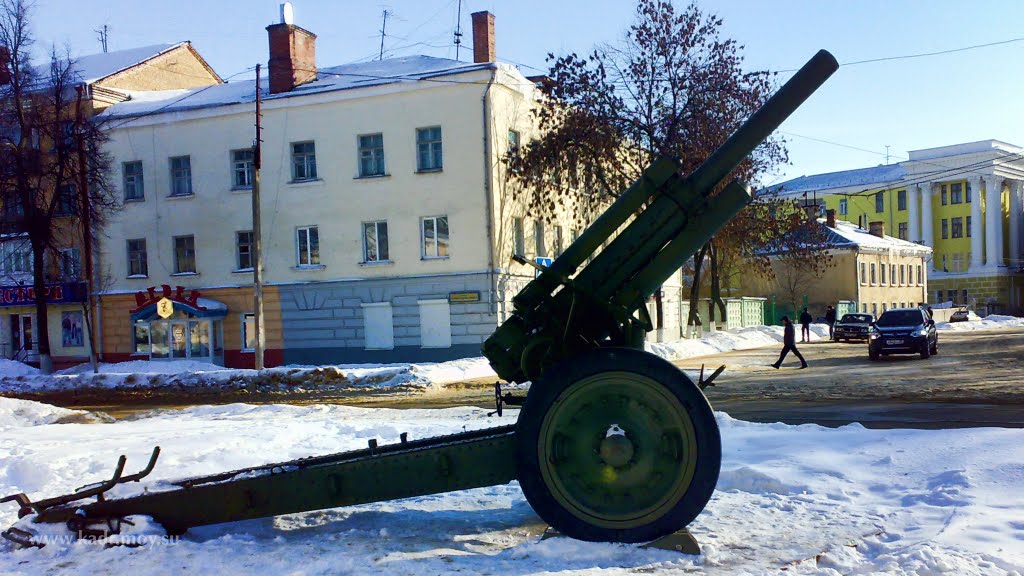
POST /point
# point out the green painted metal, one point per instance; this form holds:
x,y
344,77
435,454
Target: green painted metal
x,y
430,466
567,310
638,465
615,486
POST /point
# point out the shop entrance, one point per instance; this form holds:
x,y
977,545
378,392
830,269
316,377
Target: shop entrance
x,y
190,332
22,344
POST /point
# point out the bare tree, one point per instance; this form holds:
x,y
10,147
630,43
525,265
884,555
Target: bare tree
x,y
674,87
53,169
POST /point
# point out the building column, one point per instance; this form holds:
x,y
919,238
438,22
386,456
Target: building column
x,y
977,242
1016,213
993,221
927,226
914,232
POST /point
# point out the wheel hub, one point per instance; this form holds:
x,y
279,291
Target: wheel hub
x,y
617,448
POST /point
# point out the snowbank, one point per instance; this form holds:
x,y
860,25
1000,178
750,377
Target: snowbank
x,y
990,322
849,501
15,368
14,412
739,339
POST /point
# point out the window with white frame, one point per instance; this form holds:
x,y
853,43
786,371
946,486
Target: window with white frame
x,y
185,254
958,262
303,161
133,185
884,267
428,149
242,168
138,264
435,237
901,230
248,332
371,155
70,264
863,273
901,200
17,257
843,207
181,176
880,202
375,241
558,241
243,250
903,275
518,237
920,275
892,274
540,249
873,276
307,246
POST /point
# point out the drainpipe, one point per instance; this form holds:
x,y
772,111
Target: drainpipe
x,y
97,346
491,279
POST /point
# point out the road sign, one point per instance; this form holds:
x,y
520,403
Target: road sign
x,y
541,261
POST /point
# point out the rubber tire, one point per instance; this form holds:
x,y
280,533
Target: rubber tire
x,y
935,348
545,393
925,352
873,356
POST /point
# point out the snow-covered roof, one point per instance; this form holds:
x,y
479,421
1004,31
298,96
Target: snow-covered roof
x,y
883,174
846,234
345,77
95,67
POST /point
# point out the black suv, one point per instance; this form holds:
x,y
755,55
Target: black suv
x,y
853,327
903,331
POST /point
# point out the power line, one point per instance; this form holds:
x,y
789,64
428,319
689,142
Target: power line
x,y
920,55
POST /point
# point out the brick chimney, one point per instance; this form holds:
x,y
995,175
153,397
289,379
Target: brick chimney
x,y
830,218
877,228
483,37
292,54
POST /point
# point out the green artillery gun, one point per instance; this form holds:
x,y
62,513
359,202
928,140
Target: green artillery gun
x,y
612,443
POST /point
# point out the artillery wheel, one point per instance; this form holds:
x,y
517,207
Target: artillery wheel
x,y
617,445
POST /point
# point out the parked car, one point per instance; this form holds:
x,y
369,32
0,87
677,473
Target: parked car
x,y
852,327
962,314
903,331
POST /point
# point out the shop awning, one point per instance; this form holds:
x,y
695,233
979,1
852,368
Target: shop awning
x,y
205,308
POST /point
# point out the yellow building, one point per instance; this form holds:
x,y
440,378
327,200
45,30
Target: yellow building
x,y
964,201
867,269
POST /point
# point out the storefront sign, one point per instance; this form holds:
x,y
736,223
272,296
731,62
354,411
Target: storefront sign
x,y
55,294
178,294
165,308
463,297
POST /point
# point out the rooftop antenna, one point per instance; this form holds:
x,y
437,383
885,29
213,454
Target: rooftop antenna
x,y
101,34
287,13
886,154
383,27
458,30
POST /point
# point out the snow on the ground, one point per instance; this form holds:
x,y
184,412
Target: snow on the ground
x,y
183,374
15,368
790,500
14,412
727,341
990,322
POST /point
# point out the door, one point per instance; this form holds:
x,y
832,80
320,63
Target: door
x,y
179,339
22,346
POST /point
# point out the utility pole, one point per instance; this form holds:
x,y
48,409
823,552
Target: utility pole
x,y
383,27
458,30
257,237
102,35
86,222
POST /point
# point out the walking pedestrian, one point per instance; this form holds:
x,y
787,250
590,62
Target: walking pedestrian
x,y
830,319
789,344
805,326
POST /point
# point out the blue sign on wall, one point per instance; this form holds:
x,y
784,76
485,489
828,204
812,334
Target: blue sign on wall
x,y
66,293
545,262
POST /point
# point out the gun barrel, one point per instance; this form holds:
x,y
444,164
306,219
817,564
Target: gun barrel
x,y
764,121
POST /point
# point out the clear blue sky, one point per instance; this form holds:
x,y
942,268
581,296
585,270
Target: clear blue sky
x,y
905,104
